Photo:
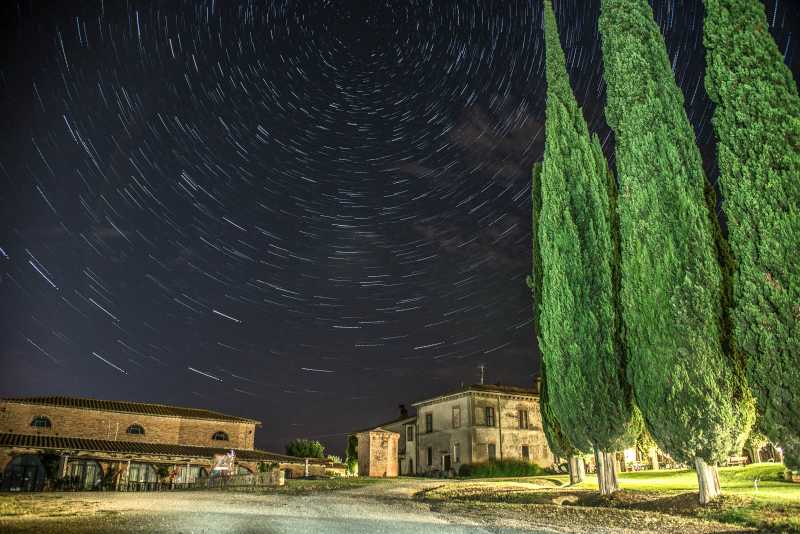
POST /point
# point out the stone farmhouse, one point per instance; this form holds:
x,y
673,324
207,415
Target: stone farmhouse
x,y
121,445
475,423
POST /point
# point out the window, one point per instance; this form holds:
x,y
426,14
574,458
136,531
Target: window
x,y
430,455
526,454
139,472
40,421
489,413
409,433
456,416
523,418
86,474
428,422
220,436
492,450
457,452
135,429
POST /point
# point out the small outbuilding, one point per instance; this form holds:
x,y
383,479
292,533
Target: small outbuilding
x,y
377,452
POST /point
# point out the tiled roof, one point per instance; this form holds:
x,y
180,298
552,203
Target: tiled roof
x,y
489,388
497,388
408,418
144,408
144,449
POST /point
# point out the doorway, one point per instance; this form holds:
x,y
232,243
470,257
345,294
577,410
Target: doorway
x,y
24,473
446,462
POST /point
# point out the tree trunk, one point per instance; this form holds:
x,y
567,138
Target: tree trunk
x,y
606,472
707,481
653,453
577,471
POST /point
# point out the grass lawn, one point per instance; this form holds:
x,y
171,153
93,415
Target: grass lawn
x,y
295,486
773,506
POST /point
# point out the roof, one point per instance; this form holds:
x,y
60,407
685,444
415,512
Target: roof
x,y
408,418
488,388
129,447
144,408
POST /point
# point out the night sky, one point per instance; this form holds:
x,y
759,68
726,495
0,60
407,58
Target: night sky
x,y
302,212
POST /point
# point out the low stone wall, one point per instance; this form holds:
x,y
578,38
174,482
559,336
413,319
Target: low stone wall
x,y
315,469
272,478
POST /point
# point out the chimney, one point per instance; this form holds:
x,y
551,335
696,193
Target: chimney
x,y
403,411
537,384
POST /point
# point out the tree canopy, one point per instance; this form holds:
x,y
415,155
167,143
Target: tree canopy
x,y
757,122
305,448
685,383
578,316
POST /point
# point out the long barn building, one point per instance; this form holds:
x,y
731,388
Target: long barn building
x,y
90,443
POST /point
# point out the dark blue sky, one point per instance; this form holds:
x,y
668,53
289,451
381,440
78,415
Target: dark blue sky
x,y
302,212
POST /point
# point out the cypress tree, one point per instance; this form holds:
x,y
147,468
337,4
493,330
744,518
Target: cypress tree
x,y
587,388
687,386
757,122
559,443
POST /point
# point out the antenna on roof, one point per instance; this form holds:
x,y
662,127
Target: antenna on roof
x,y
482,367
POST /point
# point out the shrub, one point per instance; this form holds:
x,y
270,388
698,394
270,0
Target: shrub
x,y
501,468
351,456
162,471
264,467
305,448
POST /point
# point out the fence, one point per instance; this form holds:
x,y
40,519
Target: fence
x,y
252,482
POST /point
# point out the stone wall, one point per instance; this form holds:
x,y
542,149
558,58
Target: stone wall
x,y
450,434
316,468
407,448
377,453
98,424
506,435
466,437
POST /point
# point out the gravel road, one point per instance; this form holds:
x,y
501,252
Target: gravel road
x,y
384,507
351,512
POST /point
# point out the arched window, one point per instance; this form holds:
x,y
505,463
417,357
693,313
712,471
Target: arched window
x,y
40,421
136,429
220,436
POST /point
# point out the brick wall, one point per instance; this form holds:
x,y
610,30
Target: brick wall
x,y
98,424
377,454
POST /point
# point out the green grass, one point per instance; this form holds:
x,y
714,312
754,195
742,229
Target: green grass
x,y
774,506
297,486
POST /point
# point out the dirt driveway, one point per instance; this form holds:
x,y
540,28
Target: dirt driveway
x,y
384,507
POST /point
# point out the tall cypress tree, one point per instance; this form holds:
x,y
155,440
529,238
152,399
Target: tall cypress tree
x,y
686,385
579,337
757,121
558,442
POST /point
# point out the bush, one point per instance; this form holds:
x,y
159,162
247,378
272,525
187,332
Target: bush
x,y
501,468
264,467
305,448
351,456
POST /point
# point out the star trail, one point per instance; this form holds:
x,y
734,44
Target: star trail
x,y
302,212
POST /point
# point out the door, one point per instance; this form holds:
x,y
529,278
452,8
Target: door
x,y
446,462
